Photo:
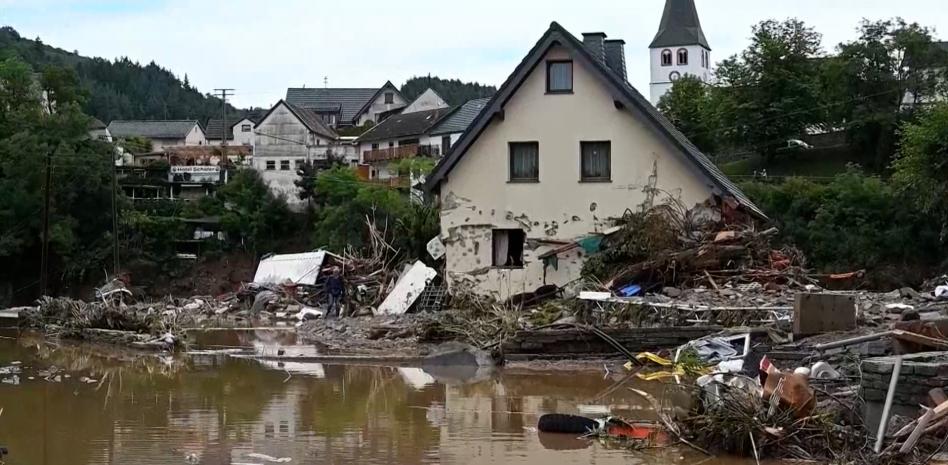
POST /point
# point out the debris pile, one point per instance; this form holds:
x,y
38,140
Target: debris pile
x,y
669,245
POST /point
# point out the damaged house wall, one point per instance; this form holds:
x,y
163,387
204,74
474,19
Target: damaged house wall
x,y
478,198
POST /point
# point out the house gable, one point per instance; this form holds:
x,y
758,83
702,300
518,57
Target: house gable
x,y
622,97
561,206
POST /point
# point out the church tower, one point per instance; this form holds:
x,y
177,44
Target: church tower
x,y
679,48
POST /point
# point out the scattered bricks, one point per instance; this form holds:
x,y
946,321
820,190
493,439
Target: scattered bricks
x,y
823,313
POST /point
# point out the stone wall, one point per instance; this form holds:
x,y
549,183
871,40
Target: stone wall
x,y
920,373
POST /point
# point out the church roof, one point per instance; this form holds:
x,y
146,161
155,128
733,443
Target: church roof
x,y
680,26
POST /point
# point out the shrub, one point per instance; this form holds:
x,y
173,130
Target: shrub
x,y
853,222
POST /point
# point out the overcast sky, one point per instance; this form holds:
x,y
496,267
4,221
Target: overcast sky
x,y
262,47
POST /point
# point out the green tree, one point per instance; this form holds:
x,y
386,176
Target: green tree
x,y
772,87
688,106
250,211
866,82
80,191
921,167
453,91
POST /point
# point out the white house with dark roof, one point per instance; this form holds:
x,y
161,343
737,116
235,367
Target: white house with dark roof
x,y
344,107
288,136
239,130
425,133
678,49
161,133
564,147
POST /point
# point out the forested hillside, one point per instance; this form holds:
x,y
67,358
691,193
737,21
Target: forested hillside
x,y
119,89
452,91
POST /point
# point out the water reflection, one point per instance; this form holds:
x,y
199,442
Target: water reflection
x,y
219,410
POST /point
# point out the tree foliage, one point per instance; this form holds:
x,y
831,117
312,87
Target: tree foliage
x,y
688,106
865,83
854,222
772,86
345,203
453,91
119,89
921,169
33,131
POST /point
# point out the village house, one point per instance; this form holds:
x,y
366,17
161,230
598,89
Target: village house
x,y
99,131
346,107
239,130
161,133
286,138
422,132
565,146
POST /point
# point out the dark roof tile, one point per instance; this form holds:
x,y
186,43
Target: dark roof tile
x,y
462,118
153,129
405,125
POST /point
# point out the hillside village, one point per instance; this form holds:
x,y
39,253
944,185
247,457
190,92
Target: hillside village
x,y
761,239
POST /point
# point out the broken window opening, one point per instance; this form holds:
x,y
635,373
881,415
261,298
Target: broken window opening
x,y
508,247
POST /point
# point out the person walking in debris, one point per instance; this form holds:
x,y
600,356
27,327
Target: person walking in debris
x,y
335,289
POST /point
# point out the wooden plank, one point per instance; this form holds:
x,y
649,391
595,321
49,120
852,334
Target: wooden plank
x,y
823,313
913,438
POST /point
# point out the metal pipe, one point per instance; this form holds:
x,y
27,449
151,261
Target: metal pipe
x,y
887,409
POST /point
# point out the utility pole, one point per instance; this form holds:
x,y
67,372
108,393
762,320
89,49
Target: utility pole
x,y
223,96
115,239
44,259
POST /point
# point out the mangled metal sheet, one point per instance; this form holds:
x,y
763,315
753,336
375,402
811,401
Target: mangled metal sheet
x,y
412,283
298,268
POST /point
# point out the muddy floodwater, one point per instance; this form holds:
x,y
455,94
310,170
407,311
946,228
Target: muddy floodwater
x,y
84,404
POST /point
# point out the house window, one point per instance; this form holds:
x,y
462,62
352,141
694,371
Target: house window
x,y
299,164
682,56
271,165
245,128
507,247
445,144
284,165
524,162
666,57
596,161
389,98
375,146
391,144
559,77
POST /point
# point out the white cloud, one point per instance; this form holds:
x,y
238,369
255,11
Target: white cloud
x,y
260,48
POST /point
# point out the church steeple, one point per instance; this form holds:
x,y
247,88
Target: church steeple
x,y
680,26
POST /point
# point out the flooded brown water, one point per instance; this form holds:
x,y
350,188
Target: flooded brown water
x,y
82,404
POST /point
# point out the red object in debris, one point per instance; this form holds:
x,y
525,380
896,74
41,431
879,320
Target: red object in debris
x,y
639,432
779,261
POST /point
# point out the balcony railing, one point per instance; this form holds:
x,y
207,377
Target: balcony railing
x,y
402,151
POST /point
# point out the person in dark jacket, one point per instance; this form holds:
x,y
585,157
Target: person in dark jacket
x,y
335,290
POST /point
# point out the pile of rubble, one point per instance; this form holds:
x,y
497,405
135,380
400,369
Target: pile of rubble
x,y
670,245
